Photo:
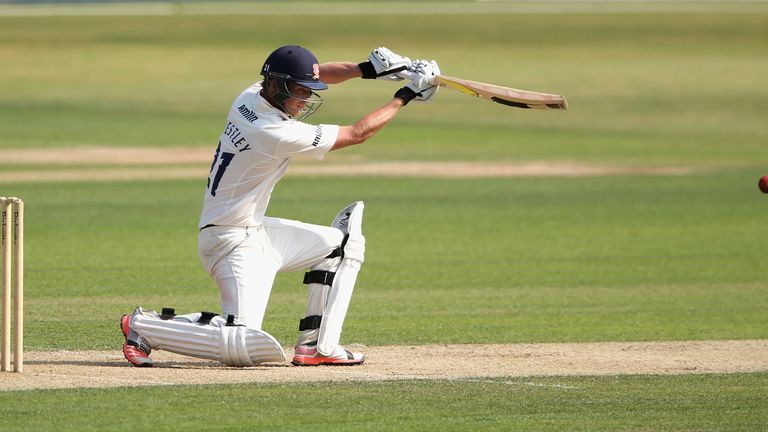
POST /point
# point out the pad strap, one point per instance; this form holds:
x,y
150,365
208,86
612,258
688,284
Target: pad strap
x,y
319,276
231,321
339,251
310,322
206,317
168,313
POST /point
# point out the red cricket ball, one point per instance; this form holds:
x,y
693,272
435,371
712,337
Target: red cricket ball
x,y
763,184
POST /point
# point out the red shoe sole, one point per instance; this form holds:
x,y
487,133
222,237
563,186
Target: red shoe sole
x,y
324,361
128,356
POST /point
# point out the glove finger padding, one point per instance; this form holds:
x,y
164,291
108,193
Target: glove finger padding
x,y
427,95
422,75
386,64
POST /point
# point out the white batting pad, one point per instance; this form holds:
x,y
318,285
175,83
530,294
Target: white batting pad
x,y
231,345
350,221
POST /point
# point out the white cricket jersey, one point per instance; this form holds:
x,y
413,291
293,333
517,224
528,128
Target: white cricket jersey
x,y
253,154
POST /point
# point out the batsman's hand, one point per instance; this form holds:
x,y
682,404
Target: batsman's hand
x,y
384,64
422,75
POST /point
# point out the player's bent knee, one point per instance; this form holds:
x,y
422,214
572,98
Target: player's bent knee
x,y
242,346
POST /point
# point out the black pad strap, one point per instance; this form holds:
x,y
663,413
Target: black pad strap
x,y
310,322
338,252
168,313
206,317
319,276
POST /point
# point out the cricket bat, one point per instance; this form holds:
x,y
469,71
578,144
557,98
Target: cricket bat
x,y
504,95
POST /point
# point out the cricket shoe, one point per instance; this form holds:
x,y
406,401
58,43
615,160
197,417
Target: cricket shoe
x,y
307,355
135,349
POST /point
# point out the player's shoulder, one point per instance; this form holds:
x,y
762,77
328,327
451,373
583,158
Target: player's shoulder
x,y
253,109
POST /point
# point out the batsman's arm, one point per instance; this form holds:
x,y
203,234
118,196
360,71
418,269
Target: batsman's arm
x,y
368,126
381,64
337,72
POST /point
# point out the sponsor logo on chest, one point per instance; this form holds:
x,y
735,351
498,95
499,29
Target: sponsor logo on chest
x,y
247,113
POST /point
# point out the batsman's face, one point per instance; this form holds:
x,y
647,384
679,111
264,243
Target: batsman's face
x,y
298,100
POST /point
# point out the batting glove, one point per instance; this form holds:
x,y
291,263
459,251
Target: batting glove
x,y
384,64
422,75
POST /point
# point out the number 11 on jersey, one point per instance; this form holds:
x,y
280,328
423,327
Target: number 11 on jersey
x,y
223,162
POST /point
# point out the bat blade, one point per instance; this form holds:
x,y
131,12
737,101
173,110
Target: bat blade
x,y
525,99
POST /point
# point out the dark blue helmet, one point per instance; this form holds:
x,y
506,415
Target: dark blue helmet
x,y
294,63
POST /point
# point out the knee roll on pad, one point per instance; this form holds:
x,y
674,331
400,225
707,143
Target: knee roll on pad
x,y
241,346
231,345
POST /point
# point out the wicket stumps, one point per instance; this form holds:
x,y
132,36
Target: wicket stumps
x,y
12,276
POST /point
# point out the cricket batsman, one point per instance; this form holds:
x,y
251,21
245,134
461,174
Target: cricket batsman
x,y
242,249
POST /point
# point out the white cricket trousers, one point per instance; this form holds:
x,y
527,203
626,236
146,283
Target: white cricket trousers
x,y
244,260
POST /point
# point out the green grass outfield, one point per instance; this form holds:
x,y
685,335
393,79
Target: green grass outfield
x,y
495,260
